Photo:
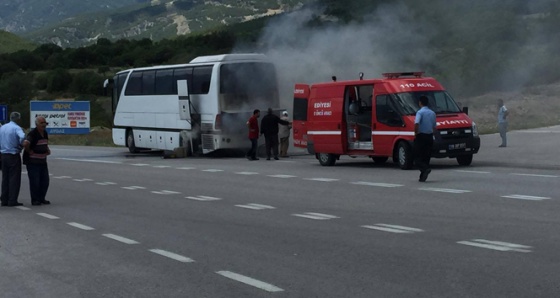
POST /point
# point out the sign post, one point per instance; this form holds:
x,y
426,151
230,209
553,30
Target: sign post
x,y
64,117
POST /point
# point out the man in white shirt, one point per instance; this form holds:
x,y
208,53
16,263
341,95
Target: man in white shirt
x,y
502,122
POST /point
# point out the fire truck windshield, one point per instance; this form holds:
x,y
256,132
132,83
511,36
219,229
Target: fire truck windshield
x,y
440,102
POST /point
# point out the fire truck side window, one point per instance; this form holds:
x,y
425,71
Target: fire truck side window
x,y
385,112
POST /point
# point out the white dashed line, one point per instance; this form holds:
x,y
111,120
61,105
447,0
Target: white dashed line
x,y
171,255
535,175
472,172
393,228
105,183
162,167
203,198
23,208
62,177
377,184
90,160
80,226
83,180
140,164
256,206
447,190
250,281
497,245
133,187
46,215
523,197
282,176
212,170
317,216
121,239
166,192
186,168
247,173
321,179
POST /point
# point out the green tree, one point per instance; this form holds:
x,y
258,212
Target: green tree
x,y
16,87
59,80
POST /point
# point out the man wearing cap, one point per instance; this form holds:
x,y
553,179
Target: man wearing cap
x,y
284,135
11,139
269,128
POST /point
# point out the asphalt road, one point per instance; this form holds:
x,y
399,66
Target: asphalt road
x,y
125,225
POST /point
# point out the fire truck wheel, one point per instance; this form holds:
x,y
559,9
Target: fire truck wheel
x,y
465,160
380,160
130,142
404,152
326,159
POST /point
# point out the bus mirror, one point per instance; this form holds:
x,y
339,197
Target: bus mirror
x,y
184,100
466,110
107,85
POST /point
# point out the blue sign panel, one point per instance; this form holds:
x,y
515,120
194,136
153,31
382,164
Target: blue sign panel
x,y
3,113
64,117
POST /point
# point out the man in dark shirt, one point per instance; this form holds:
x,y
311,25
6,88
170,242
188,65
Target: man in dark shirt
x,y
36,147
269,128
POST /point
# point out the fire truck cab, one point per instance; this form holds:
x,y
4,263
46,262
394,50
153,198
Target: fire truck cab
x,y
375,118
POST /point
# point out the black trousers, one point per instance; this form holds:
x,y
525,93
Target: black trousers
x,y
38,181
271,142
423,144
11,178
253,151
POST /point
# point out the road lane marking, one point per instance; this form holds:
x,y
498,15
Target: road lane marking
x,y
23,208
165,192
162,167
83,180
472,172
80,226
62,177
46,215
133,187
535,175
171,255
247,173
256,206
140,164
90,160
213,170
523,197
393,228
203,198
376,184
105,183
186,168
250,281
497,245
121,239
321,179
447,190
317,216
281,176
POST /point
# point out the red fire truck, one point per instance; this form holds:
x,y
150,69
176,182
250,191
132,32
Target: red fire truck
x,y
375,118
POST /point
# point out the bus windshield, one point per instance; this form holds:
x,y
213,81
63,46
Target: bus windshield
x,y
244,86
439,101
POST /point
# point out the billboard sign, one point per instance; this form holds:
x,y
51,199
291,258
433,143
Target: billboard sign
x,y
64,117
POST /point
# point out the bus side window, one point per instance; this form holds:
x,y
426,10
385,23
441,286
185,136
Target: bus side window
x,y
201,79
164,82
184,73
134,85
149,82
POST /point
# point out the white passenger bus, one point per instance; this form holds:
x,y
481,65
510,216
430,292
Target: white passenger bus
x,y
201,107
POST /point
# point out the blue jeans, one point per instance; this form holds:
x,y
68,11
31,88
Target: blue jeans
x,y
38,181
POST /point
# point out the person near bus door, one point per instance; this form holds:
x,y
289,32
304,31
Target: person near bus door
x,y
36,147
284,135
269,128
253,125
424,128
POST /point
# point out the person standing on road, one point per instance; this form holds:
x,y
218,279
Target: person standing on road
x,y
253,125
502,122
11,139
284,135
424,127
36,147
269,128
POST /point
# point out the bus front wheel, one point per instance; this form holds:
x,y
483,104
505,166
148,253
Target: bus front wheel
x,y
130,142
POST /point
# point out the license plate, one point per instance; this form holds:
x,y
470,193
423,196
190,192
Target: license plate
x,y
457,146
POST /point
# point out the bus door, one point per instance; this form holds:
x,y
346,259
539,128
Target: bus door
x,y
299,124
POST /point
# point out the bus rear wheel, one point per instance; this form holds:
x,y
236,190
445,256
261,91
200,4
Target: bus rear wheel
x,y
326,159
130,142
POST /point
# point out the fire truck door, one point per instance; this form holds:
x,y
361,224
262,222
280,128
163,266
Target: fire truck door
x,y
299,121
388,125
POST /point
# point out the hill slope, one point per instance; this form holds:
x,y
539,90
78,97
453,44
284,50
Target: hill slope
x,y
13,43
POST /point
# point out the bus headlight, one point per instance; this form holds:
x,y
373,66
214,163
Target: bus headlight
x,y
474,130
